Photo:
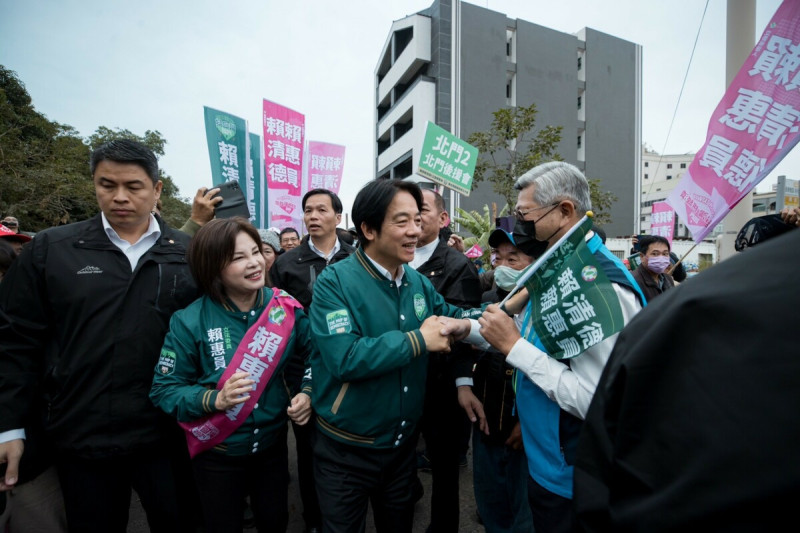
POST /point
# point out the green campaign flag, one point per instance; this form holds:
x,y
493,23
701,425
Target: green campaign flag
x,y
573,305
227,146
255,182
447,160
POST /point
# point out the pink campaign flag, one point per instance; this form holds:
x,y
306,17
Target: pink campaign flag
x,y
662,221
754,126
284,135
325,166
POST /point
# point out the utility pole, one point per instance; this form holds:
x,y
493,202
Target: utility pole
x,y
740,38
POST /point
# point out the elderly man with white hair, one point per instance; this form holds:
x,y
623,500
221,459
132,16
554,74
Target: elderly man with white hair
x,y
553,395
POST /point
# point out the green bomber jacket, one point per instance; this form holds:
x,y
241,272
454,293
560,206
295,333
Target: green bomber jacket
x,y
370,361
202,340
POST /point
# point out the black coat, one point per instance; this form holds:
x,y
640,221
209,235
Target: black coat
x,y
296,270
78,328
694,424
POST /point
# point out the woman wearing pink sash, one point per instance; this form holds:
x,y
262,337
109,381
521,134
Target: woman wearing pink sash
x,y
221,373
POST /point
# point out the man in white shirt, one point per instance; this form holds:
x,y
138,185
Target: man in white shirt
x,y
553,395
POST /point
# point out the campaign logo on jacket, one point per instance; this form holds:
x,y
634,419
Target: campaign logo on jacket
x,y
419,306
166,362
339,322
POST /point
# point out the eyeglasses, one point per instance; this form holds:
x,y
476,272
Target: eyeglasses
x,y
520,215
10,224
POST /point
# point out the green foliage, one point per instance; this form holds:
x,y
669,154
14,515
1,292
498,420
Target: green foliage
x,y
44,165
480,226
511,147
602,201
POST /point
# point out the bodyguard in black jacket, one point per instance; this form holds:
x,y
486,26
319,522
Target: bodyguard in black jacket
x,y
445,427
83,314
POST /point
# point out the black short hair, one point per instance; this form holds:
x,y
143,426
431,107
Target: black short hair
x,y
289,230
646,241
211,250
373,200
336,203
126,151
438,201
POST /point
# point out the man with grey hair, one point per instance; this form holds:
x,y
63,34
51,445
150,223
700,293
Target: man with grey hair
x,y
553,395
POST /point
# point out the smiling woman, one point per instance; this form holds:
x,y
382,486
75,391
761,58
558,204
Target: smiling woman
x,y
222,371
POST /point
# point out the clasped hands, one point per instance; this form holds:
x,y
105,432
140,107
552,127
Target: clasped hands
x,y
499,330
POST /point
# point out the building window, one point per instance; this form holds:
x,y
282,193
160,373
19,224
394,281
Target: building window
x,y
580,62
646,176
579,141
580,102
669,165
669,176
508,89
646,164
683,165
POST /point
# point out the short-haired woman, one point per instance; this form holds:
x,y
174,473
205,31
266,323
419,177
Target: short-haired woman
x,y
221,374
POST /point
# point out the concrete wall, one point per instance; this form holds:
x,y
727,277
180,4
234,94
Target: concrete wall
x,y
612,122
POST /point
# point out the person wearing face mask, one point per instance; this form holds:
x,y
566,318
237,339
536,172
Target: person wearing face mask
x,y
552,395
651,275
486,393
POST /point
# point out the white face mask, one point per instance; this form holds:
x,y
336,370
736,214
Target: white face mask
x,y
657,264
506,277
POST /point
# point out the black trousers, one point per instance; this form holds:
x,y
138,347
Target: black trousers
x,y
551,513
224,481
350,477
445,428
305,473
97,492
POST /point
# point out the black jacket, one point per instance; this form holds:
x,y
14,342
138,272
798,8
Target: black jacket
x,y
296,271
453,276
78,328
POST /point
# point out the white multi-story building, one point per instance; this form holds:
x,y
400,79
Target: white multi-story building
x,y
660,175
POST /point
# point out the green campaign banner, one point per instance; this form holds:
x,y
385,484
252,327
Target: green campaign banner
x,y
573,303
447,160
256,201
227,146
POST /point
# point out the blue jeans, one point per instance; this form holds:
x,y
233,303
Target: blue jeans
x,y
500,476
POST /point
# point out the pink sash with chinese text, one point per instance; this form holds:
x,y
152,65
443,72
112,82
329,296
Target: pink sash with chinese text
x,y
259,353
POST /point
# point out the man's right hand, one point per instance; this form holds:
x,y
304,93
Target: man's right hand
x,y
11,452
431,332
204,204
473,407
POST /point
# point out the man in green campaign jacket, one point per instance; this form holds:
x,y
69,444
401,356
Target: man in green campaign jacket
x,y
374,320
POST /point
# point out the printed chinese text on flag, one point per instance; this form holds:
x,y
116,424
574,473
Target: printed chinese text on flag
x,y
662,221
325,166
574,305
256,189
284,134
754,126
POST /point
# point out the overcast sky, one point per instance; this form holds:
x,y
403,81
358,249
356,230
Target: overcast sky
x,y
153,65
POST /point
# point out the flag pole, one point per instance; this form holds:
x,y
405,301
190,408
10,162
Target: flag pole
x,y
526,275
679,261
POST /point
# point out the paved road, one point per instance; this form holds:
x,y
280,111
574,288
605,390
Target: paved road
x,y
468,524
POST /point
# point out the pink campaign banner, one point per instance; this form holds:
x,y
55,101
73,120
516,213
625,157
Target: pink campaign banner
x,y
284,135
754,126
325,166
662,221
